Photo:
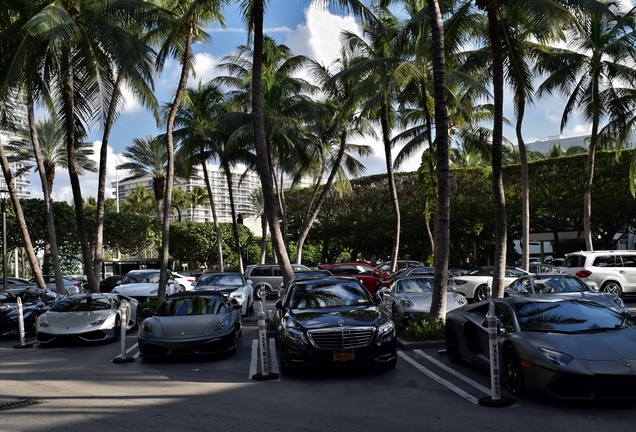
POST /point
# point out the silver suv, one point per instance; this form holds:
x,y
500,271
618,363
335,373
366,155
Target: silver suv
x,y
267,278
612,271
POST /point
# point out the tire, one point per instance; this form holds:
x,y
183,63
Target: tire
x,y
117,329
262,290
481,293
512,371
182,288
389,365
452,344
612,288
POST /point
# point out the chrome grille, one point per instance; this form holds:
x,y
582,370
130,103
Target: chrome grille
x,y
341,338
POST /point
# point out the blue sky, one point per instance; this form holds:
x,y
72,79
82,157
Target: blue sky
x,y
307,30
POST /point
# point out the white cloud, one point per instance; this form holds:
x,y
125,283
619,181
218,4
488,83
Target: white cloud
x,y
205,68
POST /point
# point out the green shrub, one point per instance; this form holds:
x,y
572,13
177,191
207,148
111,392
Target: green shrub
x,y
151,304
271,322
417,328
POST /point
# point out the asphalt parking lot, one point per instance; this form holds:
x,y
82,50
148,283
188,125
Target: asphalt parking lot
x,y
80,388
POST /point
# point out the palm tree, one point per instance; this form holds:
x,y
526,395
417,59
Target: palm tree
x,y
141,201
147,158
197,197
195,122
190,16
377,66
256,208
253,12
597,59
77,46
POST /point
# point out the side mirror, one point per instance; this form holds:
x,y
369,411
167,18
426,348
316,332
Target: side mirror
x,y
380,293
234,301
250,282
148,312
522,290
118,282
278,304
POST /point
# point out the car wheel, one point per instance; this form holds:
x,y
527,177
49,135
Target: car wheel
x,y
513,373
182,288
117,329
389,365
261,292
452,344
481,293
612,288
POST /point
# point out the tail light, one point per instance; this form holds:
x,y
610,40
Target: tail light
x,y
583,273
459,281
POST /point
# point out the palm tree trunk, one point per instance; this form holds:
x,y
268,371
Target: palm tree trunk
x,y
76,187
101,185
164,256
46,193
587,195
442,242
499,199
312,213
262,156
17,208
525,187
263,259
391,180
215,219
237,243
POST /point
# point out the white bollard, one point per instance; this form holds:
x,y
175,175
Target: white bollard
x,y
495,399
265,374
23,343
123,313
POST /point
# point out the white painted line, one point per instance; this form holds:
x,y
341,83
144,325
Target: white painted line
x,y
439,379
254,360
452,371
132,348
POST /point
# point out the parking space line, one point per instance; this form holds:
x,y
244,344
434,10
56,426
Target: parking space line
x,y
453,372
439,379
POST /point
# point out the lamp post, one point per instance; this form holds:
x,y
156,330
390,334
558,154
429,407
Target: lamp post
x,y
4,194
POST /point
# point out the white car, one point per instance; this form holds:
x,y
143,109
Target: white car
x,y
186,283
233,285
476,284
144,284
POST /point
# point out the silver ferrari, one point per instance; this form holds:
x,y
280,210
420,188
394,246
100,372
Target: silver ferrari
x,y
86,317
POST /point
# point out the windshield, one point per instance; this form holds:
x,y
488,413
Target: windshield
x,y
414,286
321,295
27,296
575,316
141,277
222,280
81,304
192,306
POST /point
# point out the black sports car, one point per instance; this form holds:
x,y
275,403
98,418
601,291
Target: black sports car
x,y
332,321
34,301
191,322
561,347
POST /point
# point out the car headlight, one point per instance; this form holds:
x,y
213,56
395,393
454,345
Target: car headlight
x,y
386,332
99,321
295,336
461,300
619,302
42,321
146,328
406,303
238,296
222,324
556,357
154,290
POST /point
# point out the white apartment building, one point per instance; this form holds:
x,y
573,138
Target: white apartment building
x,y
242,185
21,182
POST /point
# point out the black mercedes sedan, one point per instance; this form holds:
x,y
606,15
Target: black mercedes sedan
x,y
34,302
332,322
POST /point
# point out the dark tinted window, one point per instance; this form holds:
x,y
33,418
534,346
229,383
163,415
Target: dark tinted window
x,y
628,260
277,271
261,271
321,294
604,261
574,261
343,270
191,306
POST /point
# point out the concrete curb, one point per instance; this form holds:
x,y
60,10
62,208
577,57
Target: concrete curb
x,y
404,344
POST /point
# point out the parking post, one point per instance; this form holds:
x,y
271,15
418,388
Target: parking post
x,y
265,374
121,358
23,344
495,399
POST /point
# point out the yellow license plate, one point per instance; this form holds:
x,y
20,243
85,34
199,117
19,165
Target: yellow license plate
x,y
343,356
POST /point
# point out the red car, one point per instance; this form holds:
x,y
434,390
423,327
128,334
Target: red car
x,y
365,273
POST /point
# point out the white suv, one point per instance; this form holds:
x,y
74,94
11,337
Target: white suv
x,y
612,271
